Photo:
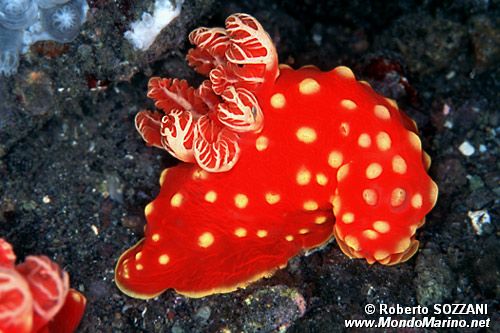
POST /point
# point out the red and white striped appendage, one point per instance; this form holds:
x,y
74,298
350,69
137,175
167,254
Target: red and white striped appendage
x,y
239,60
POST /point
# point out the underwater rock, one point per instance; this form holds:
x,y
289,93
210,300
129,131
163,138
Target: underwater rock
x,y
24,22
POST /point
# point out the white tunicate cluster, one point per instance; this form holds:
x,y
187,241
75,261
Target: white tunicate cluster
x,y
143,32
24,22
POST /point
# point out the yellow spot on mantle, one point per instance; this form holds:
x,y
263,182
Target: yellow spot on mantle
x,y
148,209
364,140
336,202
416,201
342,172
399,165
344,71
348,104
155,237
402,245
380,254
138,255
382,112
310,205
261,233
383,141
398,196
289,238
373,171
163,259
77,298
303,231
163,175
392,103
303,177
320,219
321,179
240,200
370,197
365,83
381,226
206,239
240,232
261,143
348,218
415,141
335,159
139,267
176,200
306,134
200,174
352,242
370,234
278,101
309,86
211,196
272,198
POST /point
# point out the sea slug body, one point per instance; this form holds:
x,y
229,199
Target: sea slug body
x,y
277,161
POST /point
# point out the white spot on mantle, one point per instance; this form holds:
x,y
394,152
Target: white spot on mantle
x,y
143,33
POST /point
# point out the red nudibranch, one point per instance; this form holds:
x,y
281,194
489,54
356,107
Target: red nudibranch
x,y
35,296
280,161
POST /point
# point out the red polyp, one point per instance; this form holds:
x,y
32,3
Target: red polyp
x,y
34,294
7,256
49,286
284,160
15,303
210,51
70,315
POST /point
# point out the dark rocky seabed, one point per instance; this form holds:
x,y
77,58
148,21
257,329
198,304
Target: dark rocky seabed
x,y
75,175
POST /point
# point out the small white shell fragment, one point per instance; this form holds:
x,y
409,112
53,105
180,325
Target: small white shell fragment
x,y
94,229
446,109
466,148
478,219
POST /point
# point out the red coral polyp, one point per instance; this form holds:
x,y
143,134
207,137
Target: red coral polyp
x,y
34,293
284,160
239,60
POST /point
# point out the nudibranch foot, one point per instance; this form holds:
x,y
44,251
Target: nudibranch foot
x,y
282,161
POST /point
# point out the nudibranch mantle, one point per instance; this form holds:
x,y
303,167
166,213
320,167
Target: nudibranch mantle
x,y
332,159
